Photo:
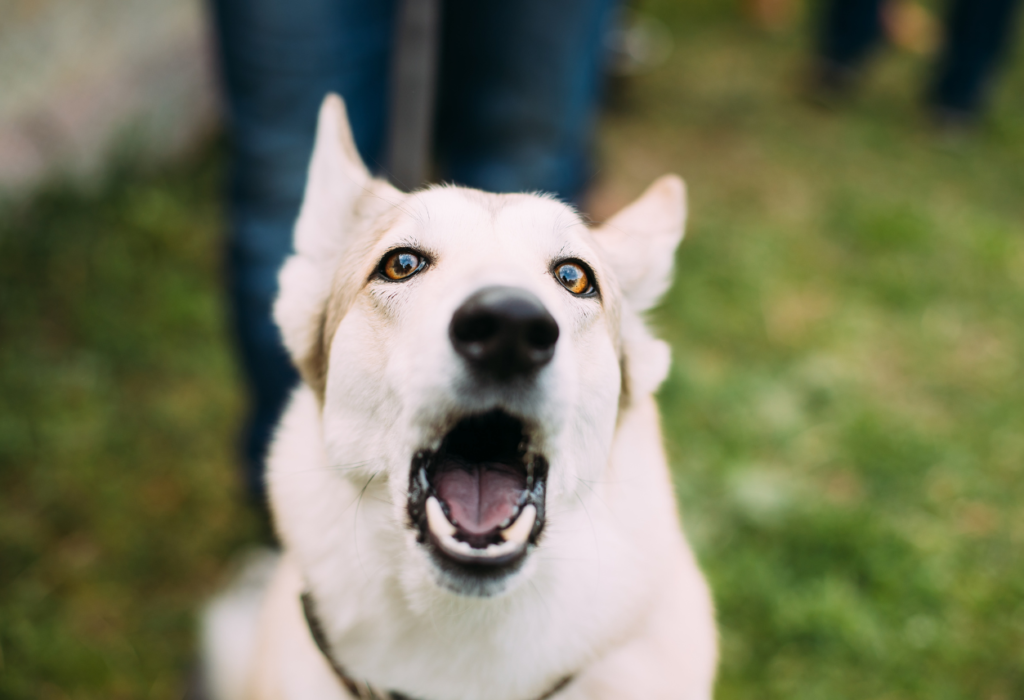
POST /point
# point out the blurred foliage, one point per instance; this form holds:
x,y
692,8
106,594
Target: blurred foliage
x,y
846,409
844,412
118,401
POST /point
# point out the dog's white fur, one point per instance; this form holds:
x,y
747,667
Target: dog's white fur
x,y
611,593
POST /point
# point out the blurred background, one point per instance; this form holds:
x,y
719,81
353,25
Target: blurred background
x,y
845,414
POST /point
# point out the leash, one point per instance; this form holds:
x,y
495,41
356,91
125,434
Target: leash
x,y
361,689
413,87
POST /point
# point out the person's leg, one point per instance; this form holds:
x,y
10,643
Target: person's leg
x,y
978,34
520,85
279,58
847,32
850,29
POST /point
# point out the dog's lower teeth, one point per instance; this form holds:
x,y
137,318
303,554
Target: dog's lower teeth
x,y
436,519
514,537
519,531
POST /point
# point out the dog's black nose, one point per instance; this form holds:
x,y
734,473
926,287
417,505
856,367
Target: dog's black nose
x,y
504,332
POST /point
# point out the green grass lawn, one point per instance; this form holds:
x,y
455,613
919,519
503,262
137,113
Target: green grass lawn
x,y
845,414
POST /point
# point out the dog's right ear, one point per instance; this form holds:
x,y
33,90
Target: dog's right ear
x,y
640,244
324,232
641,241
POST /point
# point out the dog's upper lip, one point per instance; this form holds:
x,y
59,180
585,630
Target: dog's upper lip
x,y
479,498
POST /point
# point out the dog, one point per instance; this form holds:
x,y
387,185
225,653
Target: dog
x,y
469,484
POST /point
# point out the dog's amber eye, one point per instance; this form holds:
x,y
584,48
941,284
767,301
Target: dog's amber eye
x,y
574,278
402,264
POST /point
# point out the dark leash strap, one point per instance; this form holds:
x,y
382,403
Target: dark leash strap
x,y
413,87
363,690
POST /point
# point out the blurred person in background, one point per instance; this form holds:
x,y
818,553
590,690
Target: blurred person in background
x,y
518,90
976,38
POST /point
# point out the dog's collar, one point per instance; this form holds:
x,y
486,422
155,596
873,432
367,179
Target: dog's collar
x,y
361,689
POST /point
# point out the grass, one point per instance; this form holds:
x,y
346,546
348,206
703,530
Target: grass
x,y
118,400
844,414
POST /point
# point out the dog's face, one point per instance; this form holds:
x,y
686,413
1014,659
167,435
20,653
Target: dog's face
x,y
471,353
479,352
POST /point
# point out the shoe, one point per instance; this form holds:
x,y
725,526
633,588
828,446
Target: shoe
x,y
830,84
953,124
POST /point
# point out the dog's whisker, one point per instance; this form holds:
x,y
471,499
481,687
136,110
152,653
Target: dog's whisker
x,y
540,596
593,491
355,518
593,530
349,467
394,205
547,557
359,463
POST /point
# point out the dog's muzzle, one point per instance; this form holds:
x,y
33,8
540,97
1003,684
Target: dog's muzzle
x,y
478,501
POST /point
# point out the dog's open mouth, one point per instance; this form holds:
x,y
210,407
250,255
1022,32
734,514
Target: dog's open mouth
x,y
478,501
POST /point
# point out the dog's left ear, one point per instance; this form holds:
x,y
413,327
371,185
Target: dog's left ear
x,y
640,241
339,190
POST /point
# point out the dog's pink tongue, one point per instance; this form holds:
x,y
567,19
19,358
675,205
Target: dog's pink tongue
x,y
481,498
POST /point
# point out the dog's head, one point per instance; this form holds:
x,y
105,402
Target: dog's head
x,y
470,354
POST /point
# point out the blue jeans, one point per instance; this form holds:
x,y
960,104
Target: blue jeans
x,y
519,85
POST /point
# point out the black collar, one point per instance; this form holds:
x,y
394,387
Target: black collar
x,y
361,689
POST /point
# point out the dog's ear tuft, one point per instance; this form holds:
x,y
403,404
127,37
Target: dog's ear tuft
x,y
337,178
641,240
327,224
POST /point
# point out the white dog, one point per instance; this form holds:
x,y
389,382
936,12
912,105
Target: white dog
x,y
469,485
